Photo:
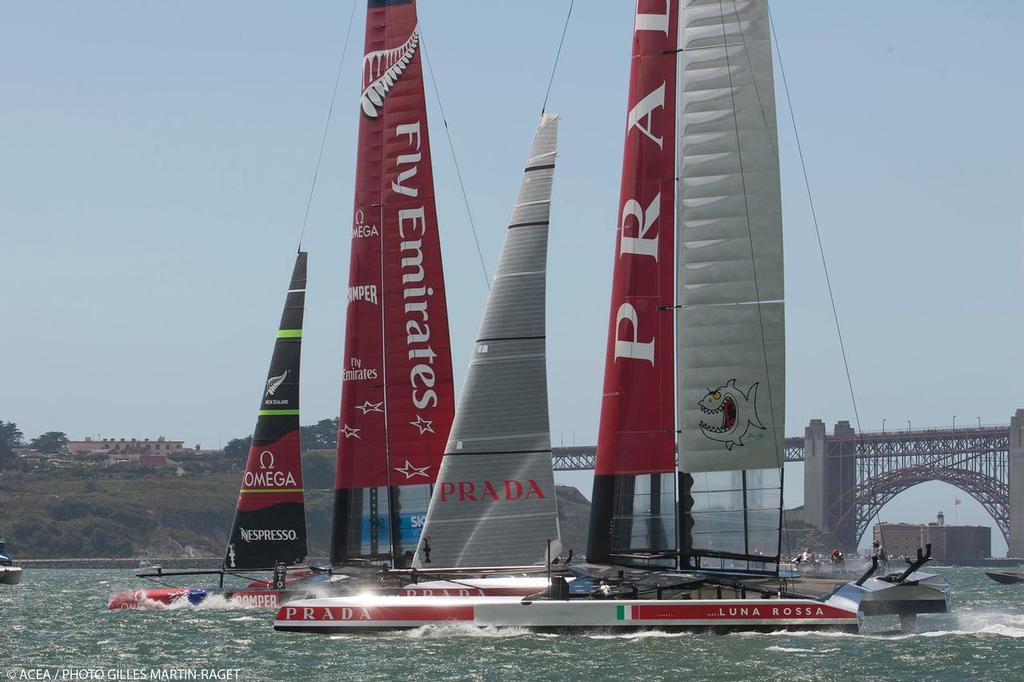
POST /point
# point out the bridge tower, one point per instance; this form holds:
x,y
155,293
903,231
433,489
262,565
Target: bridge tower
x,y
830,481
1016,485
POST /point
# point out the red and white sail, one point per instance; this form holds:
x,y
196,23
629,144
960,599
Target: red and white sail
x,y
696,341
397,396
635,468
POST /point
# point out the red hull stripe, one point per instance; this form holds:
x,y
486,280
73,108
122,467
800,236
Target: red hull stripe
x,y
375,613
756,611
469,592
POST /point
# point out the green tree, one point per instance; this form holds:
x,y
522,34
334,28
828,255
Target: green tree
x,y
320,436
10,438
317,470
51,443
238,448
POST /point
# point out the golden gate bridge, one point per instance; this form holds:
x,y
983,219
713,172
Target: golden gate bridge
x,y
849,477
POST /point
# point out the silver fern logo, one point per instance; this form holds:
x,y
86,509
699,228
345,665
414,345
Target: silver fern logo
x,y
382,69
274,383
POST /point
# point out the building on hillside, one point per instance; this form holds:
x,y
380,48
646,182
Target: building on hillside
x,y
30,456
949,543
132,451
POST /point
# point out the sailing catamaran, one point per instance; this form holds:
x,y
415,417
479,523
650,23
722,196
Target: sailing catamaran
x,y
493,507
695,370
269,529
397,395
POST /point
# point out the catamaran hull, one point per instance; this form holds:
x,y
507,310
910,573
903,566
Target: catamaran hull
x,y
919,593
724,615
157,598
10,575
184,596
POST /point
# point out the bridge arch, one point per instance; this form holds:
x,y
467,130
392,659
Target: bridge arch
x,y
875,493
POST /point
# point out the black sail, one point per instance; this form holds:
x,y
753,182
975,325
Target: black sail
x,y
270,519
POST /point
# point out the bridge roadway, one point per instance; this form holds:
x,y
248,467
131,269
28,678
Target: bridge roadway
x,y
879,444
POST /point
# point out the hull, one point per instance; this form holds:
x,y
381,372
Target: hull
x,y
259,594
370,613
919,593
10,575
520,586
162,598
1005,577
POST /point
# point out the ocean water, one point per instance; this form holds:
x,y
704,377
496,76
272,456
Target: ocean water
x,y
55,626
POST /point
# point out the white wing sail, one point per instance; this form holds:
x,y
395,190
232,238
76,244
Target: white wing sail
x,y
731,333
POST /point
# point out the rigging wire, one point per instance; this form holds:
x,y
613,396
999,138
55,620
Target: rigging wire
x,y
327,123
558,53
821,248
455,159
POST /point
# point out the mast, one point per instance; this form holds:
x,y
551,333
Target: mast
x,y
270,518
397,399
494,502
731,330
633,501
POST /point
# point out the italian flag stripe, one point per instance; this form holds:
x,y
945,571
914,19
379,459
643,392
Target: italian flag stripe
x,y
289,334
623,612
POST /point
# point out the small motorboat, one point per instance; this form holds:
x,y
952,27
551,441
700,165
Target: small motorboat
x,y
9,573
1005,577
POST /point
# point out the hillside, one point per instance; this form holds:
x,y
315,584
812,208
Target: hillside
x,y
162,515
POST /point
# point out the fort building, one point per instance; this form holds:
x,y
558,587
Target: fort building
x,y
949,543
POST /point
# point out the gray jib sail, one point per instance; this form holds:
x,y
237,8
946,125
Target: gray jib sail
x,y
730,389
494,500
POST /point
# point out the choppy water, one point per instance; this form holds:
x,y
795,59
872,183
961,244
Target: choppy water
x,y
56,620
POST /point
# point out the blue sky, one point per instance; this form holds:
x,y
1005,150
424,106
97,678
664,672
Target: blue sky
x,y
155,160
